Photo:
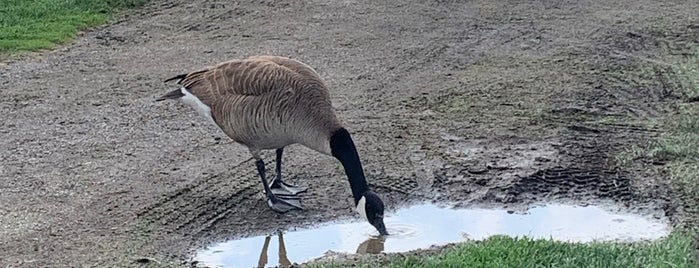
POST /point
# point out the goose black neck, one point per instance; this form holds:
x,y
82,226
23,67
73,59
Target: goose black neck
x,y
343,149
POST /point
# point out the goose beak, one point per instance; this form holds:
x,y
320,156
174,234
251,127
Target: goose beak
x,y
380,226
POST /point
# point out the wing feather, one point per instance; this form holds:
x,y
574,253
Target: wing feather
x,y
265,101
253,76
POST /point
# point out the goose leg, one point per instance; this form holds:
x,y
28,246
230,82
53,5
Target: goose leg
x,y
280,187
279,204
263,254
283,258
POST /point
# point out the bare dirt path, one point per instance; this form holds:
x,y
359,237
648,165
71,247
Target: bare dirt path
x,y
502,103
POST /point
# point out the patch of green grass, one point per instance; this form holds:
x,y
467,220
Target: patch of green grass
x,y
681,145
683,148
685,176
29,25
682,140
502,251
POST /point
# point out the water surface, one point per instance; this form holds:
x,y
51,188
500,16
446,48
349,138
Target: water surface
x,y
422,226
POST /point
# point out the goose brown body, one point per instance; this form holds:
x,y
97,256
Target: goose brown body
x,y
266,102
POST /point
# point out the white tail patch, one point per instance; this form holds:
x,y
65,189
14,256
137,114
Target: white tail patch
x,y
199,106
361,208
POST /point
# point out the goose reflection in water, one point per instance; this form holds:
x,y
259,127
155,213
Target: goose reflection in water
x,y
373,245
283,259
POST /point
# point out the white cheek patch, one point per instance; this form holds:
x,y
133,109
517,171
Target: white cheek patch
x,y
361,208
195,103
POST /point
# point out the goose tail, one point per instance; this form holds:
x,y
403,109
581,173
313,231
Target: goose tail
x,y
180,77
175,94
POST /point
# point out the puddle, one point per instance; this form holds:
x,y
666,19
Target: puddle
x,y
425,225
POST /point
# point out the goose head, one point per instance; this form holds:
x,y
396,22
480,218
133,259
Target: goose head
x,y
371,208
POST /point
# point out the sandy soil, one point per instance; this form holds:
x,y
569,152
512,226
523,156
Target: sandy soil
x,y
474,102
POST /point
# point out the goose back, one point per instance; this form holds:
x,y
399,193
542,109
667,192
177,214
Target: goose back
x,y
266,102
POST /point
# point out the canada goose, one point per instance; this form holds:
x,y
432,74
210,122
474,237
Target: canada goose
x,y
269,102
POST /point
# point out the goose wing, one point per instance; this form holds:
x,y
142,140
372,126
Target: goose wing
x,y
254,76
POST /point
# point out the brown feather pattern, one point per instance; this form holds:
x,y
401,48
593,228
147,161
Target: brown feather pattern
x,y
267,102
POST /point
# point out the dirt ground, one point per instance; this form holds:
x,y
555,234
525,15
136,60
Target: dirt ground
x,y
494,103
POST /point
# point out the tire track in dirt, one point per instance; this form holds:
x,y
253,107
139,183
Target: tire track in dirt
x,y
571,183
625,71
196,207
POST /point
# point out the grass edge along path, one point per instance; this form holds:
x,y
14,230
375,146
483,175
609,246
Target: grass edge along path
x,y
33,25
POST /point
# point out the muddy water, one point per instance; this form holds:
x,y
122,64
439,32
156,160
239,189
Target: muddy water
x,y
424,225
